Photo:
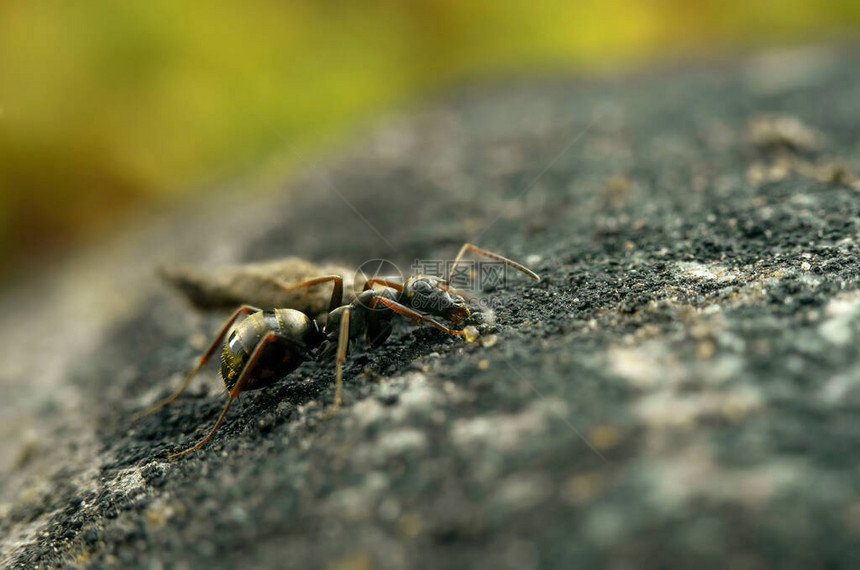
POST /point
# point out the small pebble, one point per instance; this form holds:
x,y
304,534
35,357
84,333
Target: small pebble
x,y
471,333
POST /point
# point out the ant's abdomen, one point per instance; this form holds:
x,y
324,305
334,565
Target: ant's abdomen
x,y
277,358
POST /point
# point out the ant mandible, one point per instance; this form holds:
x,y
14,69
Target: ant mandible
x,y
267,345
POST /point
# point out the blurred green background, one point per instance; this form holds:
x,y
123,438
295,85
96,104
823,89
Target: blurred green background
x,y
107,108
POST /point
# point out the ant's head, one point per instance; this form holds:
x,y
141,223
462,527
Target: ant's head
x,y
430,295
332,325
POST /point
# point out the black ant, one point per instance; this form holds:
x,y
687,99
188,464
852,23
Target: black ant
x,y
268,345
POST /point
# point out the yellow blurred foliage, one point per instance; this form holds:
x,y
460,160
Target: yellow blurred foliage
x,y
105,106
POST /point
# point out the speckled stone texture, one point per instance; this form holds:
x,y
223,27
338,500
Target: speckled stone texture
x,y
681,390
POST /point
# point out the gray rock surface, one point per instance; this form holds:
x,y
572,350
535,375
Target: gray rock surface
x,y
681,390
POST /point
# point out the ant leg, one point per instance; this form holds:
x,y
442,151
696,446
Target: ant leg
x,y
336,292
342,345
475,249
243,310
374,281
234,393
414,315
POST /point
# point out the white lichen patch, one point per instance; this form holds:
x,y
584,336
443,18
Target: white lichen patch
x,y
420,398
376,452
524,490
804,276
841,314
129,480
359,502
605,525
640,365
841,387
507,431
161,511
673,395
367,412
670,409
693,473
401,441
416,398
710,271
